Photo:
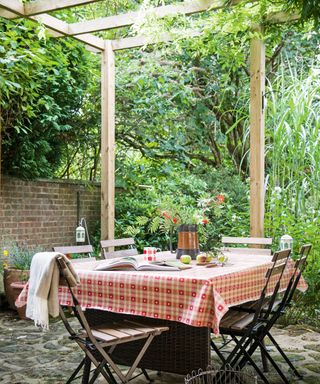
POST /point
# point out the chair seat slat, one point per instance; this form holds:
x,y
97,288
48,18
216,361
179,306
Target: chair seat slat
x,y
246,240
248,251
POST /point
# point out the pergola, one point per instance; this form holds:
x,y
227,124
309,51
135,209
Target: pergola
x,y
38,10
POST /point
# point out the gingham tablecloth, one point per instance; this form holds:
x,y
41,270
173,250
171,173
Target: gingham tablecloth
x,y
198,297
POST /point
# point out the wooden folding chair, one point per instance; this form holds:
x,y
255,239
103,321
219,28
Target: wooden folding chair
x,y
98,342
247,329
79,250
230,244
108,246
279,306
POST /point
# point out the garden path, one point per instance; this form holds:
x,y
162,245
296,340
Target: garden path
x,y
29,356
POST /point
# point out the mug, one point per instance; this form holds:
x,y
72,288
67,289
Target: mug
x,y
149,253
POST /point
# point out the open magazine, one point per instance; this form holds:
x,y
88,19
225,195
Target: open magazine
x,y
132,264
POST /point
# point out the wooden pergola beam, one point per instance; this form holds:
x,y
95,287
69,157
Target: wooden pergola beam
x,y
14,6
126,19
62,27
7,14
140,41
56,27
282,17
43,6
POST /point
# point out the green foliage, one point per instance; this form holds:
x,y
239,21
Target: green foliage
x,y
138,214
309,9
17,256
42,88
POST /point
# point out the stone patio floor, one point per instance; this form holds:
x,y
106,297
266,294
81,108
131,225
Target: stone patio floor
x,y
29,356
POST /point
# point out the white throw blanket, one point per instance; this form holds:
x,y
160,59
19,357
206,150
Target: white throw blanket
x,y
43,287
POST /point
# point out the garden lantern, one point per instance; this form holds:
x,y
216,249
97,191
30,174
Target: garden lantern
x,y
286,242
82,231
80,234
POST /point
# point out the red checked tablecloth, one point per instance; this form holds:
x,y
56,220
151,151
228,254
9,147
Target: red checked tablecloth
x,y
198,297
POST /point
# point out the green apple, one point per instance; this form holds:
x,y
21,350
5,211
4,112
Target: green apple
x,y
209,258
185,259
201,259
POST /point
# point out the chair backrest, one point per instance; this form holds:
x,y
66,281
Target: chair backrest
x,y
300,266
273,280
109,254
252,241
76,250
67,280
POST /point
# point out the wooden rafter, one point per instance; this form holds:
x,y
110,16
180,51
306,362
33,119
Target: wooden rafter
x,y
62,27
43,6
125,19
7,14
55,25
140,41
281,17
14,6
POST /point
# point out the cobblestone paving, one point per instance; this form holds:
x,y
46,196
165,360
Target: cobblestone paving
x,y
29,356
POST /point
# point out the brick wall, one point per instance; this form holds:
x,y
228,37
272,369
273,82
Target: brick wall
x,y
44,212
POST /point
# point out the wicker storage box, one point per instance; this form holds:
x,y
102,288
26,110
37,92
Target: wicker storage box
x,y
180,350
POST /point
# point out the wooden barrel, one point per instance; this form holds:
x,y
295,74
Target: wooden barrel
x,y
188,241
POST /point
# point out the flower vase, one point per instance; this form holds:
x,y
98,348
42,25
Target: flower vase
x,y
188,241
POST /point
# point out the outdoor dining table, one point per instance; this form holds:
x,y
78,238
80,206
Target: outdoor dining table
x,y
191,302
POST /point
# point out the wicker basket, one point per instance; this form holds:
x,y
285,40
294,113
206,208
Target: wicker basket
x,y
219,376
180,350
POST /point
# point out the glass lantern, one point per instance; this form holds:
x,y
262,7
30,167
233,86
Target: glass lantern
x,y
286,242
80,234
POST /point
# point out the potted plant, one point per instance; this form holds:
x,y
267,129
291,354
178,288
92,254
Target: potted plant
x,y
15,265
187,220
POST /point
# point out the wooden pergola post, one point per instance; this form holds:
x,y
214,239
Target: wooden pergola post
x,y
257,88
107,142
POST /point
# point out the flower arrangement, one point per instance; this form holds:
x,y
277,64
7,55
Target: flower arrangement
x,y
173,213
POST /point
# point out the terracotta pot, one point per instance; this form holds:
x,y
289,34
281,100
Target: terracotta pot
x,y
11,275
188,241
17,287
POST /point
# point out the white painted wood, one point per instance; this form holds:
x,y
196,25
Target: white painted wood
x,y
107,142
257,87
43,6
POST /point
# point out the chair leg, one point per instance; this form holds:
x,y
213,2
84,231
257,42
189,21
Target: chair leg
x,y
264,359
285,357
145,373
274,364
76,371
245,355
86,370
217,351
